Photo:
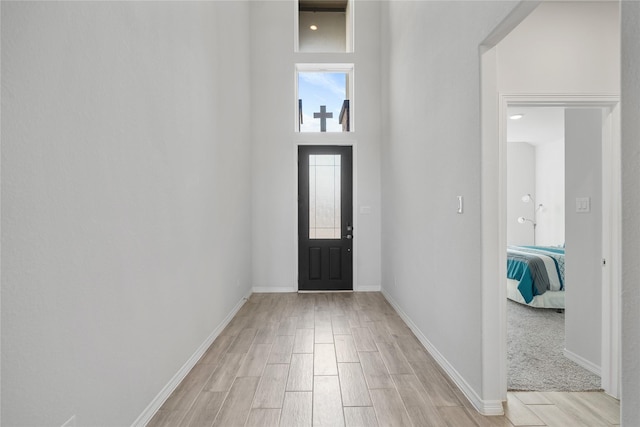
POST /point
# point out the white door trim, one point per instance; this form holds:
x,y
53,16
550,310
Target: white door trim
x,y
611,251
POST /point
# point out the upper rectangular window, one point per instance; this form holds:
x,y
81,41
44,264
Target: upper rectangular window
x,y
324,98
325,26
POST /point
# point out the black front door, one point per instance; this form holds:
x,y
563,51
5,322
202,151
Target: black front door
x,y
325,218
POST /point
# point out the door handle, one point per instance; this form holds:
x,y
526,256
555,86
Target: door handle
x,y
349,236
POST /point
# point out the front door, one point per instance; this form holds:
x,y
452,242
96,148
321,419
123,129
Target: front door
x,y
325,218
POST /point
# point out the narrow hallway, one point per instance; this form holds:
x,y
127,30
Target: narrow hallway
x,y
342,359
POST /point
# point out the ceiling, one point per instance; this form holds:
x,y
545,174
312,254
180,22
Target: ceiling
x,y
322,5
539,125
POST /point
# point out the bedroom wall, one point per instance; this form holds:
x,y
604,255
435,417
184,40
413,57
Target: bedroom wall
x,y
124,245
521,180
550,173
431,154
630,208
274,143
537,169
566,48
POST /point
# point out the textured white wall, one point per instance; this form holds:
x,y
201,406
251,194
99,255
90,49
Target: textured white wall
x,y
125,199
431,154
630,208
521,180
274,202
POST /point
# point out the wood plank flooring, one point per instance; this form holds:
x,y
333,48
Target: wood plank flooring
x,y
344,359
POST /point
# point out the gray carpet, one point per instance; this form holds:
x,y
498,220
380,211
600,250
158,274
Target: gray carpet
x,y
535,359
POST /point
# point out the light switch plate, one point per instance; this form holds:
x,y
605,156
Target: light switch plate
x,y
583,204
365,210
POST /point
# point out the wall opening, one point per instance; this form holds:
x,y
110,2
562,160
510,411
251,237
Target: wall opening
x,y
325,26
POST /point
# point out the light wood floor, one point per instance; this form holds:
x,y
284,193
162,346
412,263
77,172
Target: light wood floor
x,y
343,359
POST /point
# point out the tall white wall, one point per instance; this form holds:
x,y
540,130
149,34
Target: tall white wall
x,y
125,199
550,173
274,143
630,207
431,153
569,48
521,180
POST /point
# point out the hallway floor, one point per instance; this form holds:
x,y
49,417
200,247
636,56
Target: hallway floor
x,y
343,359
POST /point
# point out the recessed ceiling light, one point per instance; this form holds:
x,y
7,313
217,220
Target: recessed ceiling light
x,y
516,116
313,27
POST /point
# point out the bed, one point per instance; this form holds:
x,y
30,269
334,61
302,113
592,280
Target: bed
x,y
535,276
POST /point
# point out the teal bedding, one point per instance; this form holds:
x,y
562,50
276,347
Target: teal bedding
x,y
537,269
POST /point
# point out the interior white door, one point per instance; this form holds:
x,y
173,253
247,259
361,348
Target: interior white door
x,y
583,231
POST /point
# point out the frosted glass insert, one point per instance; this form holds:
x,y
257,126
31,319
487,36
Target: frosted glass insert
x,y
324,196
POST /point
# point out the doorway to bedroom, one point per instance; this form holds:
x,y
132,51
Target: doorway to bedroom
x,y
554,156
533,59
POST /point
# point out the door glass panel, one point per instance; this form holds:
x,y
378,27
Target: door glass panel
x,y
324,196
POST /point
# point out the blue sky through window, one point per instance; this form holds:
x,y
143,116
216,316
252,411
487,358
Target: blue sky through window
x,y
321,88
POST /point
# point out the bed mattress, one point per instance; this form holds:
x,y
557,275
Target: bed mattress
x,y
550,299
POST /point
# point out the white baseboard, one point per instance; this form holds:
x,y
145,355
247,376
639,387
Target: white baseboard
x,y
283,289
273,290
485,407
586,364
369,288
164,394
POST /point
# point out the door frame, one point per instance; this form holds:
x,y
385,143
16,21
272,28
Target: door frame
x,y
354,159
494,164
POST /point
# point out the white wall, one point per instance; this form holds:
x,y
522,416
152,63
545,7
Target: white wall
x,y
125,199
630,208
521,180
583,271
550,173
566,48
274,143
431,154
563,47
542,131
330,36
